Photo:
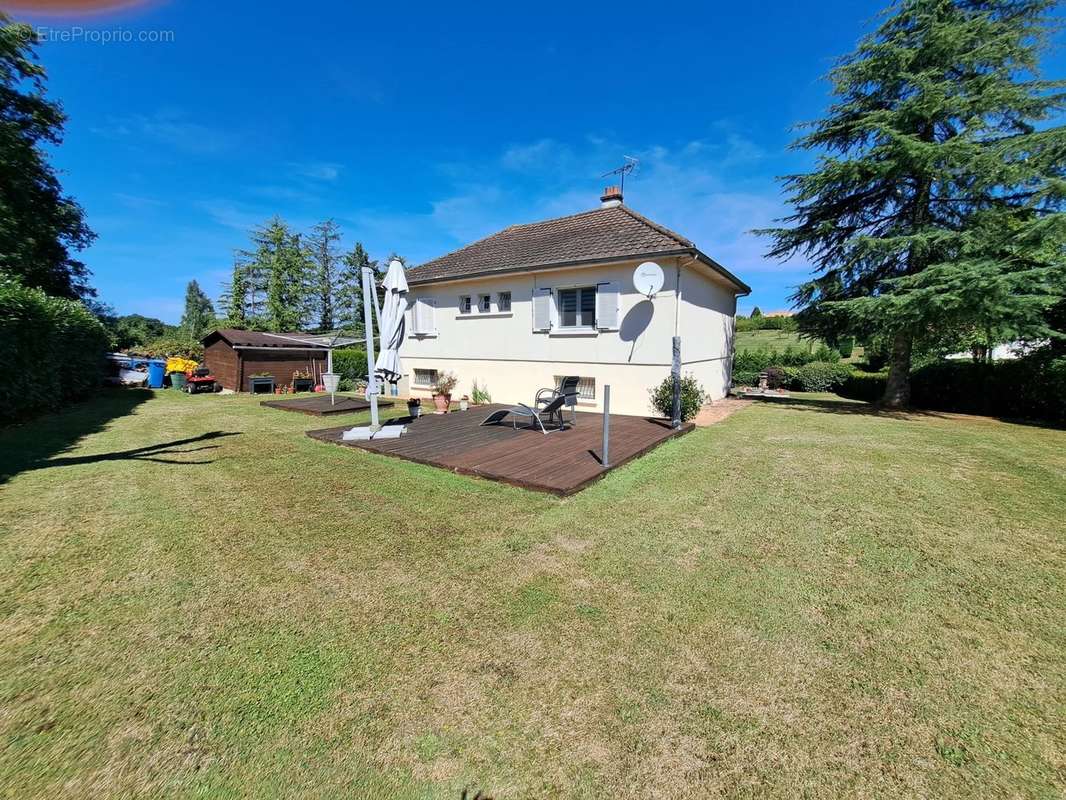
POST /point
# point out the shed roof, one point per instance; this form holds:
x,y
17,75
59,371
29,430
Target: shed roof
x,y
603,234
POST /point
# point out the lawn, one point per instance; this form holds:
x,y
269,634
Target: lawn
x,y
197,600
773,340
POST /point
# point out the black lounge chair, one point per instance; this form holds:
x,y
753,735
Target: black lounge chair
x,y
567,388
551,412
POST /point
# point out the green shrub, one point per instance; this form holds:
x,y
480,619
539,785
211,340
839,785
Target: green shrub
x,y
350,364
744,377
846,347
868,386
692,397
1027,388
821,376
826,354
52,353
180,345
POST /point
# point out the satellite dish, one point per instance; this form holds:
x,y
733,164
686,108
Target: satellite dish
x,y
648,278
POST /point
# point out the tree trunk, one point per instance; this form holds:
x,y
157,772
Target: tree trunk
x,y
898,386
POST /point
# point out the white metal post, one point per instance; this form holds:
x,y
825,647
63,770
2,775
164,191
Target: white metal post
x,y
605,451
368,324
329,369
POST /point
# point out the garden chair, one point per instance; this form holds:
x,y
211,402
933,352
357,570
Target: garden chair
x,y
551,412
567,389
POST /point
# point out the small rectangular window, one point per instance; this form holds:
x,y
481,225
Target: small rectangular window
x,y
464,304
425,377
577,307
484,303
503,302
586,387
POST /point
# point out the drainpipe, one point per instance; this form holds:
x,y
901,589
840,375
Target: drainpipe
x,y
675,361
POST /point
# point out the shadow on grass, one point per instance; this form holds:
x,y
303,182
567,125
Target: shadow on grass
x,y
861,408
34,444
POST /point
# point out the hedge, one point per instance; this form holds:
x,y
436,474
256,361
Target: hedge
x,y
868,386
52,351
763,358
820,376
1028,388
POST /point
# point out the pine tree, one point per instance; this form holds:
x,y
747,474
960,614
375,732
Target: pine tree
x,y
756,312
199,314
349,311
937,202
282,261
322,245
235,296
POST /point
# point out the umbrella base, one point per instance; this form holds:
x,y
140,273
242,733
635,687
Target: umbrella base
x,y
366,433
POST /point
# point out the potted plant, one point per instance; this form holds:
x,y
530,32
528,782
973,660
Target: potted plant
x,y
414,407
464,403
442,391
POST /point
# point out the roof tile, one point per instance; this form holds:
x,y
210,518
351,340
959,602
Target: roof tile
x,y
604,233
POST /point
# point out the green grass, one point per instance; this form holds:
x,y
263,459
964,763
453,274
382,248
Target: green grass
x,y
804,600
773,340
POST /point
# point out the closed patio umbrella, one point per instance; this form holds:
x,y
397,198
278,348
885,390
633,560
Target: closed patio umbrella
x,y
391,328
392,323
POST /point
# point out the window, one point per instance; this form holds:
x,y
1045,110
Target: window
x,y
586,388
577,307
484,303
464,304
425,377
503,302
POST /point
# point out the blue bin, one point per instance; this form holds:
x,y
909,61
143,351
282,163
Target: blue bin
x,y
156,371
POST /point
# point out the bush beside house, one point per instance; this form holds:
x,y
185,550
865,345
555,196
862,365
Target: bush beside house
x,y
53,351
692,397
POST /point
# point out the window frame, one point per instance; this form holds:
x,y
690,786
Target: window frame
x,y
499,304
414,377
578,291
484,303
465,304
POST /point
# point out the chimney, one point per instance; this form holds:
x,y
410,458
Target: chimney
x,y
611,197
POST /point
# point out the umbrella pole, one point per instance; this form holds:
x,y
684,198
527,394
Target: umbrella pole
x,y
368,325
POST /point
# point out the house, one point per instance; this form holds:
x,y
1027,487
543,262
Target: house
x,y
516,310
234,356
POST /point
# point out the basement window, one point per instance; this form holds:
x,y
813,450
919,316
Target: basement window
x,y
425,377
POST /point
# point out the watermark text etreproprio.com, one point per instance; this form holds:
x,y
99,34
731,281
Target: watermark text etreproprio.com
x,y
77,33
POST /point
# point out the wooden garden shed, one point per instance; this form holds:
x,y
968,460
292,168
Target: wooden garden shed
x,y
234,356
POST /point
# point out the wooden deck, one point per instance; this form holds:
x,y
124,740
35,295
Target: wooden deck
x,y
562,462
319,405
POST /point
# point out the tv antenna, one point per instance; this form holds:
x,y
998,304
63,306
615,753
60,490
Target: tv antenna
x,y
627,168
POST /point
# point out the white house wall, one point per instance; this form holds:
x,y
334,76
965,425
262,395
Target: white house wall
x,y
502,352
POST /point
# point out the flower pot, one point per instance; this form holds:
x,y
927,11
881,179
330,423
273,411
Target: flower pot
x,y
414,409
464,403
442,401
331,381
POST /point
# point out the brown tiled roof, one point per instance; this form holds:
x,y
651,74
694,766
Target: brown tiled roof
x,y
604,234
238,338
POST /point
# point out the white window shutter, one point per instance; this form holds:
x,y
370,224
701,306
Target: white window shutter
x,y
424,316
542,309
608,311
431,316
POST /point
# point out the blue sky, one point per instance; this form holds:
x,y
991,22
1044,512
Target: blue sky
x,y
421,128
